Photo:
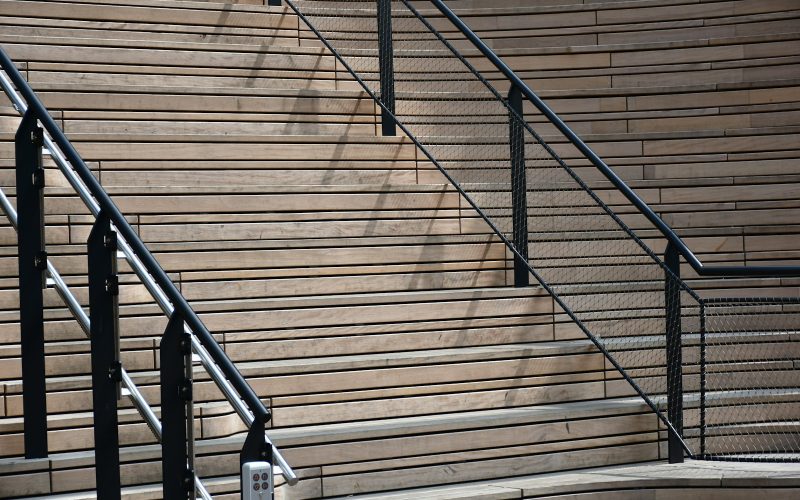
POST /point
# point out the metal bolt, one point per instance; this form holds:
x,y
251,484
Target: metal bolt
x,y
110,240
40,261
115,371
112,285
37,134
37,178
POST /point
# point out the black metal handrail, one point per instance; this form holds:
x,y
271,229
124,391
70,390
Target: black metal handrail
x,y
641,205
674,286
123,227
188,330
676,440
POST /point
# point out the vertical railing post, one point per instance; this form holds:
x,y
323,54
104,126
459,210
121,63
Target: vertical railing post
x,y
702,379
255,448
176,414
672,296
386,66
32,261
274,3
106,369
519,187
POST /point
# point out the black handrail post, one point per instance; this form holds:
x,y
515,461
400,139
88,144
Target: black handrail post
x,y
519,187
672,296
138,247
274,3
644,208
702,379
32,261
176,396
386,67
255,447
106,369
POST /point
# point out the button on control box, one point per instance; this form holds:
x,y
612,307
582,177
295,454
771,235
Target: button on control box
x,y
257,483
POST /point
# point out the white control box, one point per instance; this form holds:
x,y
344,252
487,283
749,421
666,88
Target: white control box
x,y
257,481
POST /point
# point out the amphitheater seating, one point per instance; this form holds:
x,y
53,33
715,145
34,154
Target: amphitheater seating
x,y
361,297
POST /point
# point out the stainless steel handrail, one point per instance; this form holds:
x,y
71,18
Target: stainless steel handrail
x,y
150,284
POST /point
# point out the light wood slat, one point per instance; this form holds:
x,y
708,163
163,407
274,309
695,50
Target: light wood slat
x,y
360,313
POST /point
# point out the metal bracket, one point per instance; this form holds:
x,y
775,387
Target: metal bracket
x,y
188,480
110,241
115,371
40,261
112,285
185,390
37,136
185,345
37,178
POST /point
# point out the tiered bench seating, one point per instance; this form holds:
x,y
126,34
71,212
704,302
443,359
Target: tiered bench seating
x,y
357,292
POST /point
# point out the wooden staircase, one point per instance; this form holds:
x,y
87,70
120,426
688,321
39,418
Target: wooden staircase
x,y
363,300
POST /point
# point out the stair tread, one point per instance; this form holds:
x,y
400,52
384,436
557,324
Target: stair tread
x,y
387,360
46,87
381,428
355,140
156,44
647,475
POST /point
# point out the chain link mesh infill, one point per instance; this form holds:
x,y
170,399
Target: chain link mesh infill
x,y
751,356
607,280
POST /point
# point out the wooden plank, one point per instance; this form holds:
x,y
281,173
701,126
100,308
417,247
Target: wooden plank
x,y
37,483
206,151
485,468
434,404
428,444
65,10
101,55
727,144
177,102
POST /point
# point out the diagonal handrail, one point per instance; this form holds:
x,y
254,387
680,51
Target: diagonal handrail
x,y
671,429
674,286
641,205
135,396
221,369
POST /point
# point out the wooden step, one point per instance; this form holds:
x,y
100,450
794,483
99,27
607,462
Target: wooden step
x,y
179,13
330,454
693,479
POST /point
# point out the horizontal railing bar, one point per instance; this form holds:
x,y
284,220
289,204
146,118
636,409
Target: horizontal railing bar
x,y
644,208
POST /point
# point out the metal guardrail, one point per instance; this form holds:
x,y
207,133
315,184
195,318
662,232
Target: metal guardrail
x,y
429,68
134,395
679,445
641,205
224,373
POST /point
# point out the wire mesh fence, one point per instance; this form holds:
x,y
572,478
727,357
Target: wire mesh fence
x,y
604,277
750,378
